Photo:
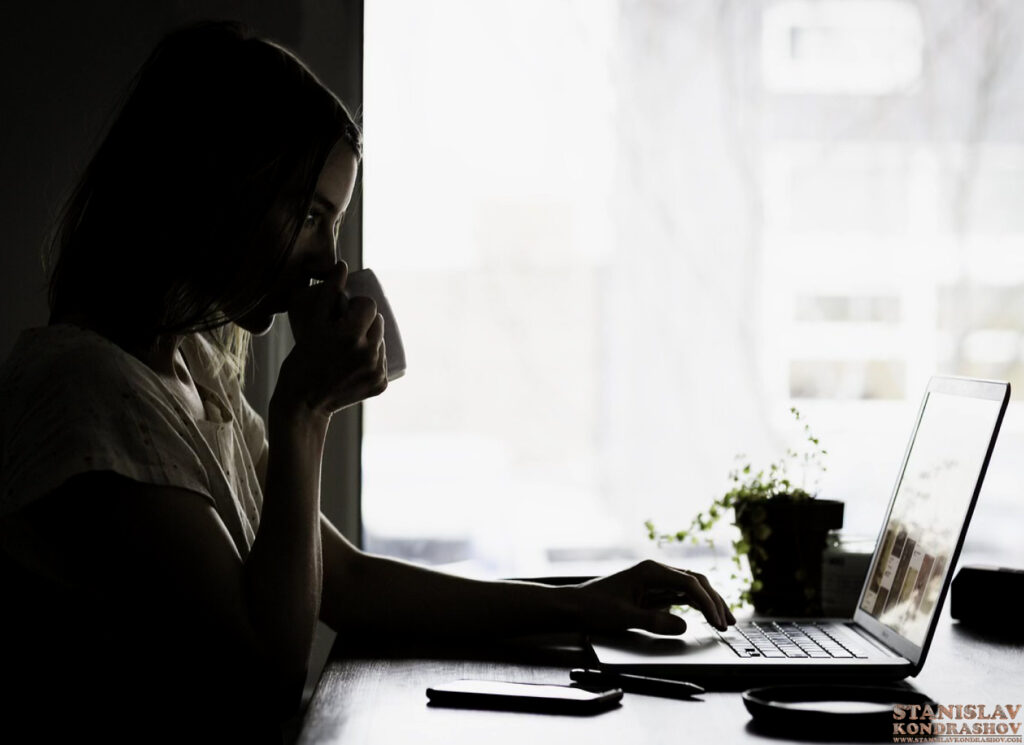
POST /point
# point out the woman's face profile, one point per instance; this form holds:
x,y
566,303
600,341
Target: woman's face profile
x,y
315,250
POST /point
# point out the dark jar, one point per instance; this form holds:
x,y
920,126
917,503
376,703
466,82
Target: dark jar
x,y
787,536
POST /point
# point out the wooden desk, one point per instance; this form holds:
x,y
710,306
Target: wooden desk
x,y
368,697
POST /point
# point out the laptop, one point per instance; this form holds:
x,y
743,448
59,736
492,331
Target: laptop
x,y
910,572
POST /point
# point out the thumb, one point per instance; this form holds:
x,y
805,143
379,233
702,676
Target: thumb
x,y
659,622
333,297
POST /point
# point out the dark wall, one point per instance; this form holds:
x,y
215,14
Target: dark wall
x,y
64,65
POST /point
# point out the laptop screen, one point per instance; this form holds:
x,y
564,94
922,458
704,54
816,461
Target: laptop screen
x,y
928,511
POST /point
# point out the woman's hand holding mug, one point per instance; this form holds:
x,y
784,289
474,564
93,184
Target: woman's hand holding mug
x,y
339,357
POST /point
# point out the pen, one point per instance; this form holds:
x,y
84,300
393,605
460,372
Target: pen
x,y
635,683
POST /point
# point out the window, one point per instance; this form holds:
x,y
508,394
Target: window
x,y
620,247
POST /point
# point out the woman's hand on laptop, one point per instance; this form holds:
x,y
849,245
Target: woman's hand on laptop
x,y
640,598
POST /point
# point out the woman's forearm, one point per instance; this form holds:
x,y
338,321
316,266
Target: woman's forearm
x,y
364,593
283,572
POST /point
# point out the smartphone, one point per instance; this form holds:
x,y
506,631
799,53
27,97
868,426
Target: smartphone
x,y
540,697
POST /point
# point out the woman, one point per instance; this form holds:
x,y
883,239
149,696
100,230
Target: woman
x,y
156,533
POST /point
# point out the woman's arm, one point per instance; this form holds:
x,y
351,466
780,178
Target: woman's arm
x,y
374,594
283,573
368,594
336,361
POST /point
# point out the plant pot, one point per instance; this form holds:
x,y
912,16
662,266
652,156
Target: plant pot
x,y
786,538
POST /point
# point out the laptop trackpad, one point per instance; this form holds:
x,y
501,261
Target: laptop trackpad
x,y
636,647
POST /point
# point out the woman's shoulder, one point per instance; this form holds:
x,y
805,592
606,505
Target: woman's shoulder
x,y
72,402
48,361
62,379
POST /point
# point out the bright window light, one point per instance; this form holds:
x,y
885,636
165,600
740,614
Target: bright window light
x,y
618,257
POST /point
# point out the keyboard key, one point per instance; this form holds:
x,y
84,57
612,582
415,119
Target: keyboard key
x,y
746,652
840,652
857,652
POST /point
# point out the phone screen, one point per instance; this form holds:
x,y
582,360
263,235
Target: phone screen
x,y
523,696
536,690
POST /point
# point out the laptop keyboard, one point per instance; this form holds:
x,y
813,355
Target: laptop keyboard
x,y
787,639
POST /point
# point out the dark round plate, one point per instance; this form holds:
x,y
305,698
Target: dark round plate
x,y
829,711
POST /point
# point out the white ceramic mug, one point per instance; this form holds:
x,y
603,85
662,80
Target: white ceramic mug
x,y
364,283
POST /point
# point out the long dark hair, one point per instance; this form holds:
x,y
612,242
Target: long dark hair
x,y
170,228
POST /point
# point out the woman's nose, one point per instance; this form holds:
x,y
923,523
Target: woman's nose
x,y
330,242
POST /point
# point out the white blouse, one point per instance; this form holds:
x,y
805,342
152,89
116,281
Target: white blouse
x,y
72,401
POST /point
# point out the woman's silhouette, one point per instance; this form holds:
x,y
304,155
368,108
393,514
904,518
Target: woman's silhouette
x,y
164,558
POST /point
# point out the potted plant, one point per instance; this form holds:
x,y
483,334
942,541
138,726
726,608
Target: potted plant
x,y
783,529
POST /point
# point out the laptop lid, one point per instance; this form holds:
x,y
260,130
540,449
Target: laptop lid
x,y
929,511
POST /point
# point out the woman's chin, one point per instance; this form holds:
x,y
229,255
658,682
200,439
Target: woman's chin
x,y
257,322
